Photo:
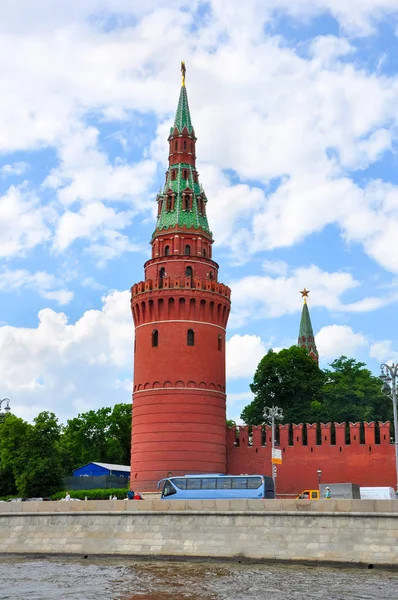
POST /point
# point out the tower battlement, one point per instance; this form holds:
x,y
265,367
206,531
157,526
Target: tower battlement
x,y
180,283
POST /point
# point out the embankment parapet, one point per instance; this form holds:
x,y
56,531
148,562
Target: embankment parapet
x,y
357,531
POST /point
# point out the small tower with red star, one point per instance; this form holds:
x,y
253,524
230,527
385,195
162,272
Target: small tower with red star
x,y
306,335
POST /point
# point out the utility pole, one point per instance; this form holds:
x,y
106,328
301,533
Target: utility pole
x,y
389,376
270,414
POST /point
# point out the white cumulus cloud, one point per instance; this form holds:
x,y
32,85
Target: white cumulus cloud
x,y
69,368
335,340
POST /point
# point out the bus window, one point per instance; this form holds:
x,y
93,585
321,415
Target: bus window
x,y
208,484
180,483
193,484
253,483
239,483
224,483
315,495
168,489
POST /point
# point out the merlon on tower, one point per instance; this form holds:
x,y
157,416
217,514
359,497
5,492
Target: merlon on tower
x,y
306,335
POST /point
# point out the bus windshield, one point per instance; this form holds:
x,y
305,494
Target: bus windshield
x,y
217,486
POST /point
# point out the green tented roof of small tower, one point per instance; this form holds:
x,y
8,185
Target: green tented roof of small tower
x,y
306,335
179,217
183,117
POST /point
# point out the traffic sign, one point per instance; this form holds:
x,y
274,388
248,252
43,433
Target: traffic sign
x,y
276,456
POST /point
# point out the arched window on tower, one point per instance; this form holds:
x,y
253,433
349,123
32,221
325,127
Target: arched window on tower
x,y
167,250
185,144
162,275
185,174
176,145
211,275
188,272
173,174
187,250
155,338
190,337
169,202
204,252
219,340
185,202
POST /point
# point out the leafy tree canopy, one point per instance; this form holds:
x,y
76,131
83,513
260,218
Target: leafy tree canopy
x,y
352,393
289,379
35,457
347,391
103,436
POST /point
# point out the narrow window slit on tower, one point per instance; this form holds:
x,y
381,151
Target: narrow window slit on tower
x,y
187,250
219,342
190,337
155,338
162,274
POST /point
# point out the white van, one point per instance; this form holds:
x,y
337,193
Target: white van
x,y
377,493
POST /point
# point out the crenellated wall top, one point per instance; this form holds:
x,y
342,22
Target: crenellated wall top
x,y
180,283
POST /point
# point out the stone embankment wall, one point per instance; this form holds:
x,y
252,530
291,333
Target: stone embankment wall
x,y
349,531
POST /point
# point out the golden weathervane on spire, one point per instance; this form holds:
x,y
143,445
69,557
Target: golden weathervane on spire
x,y
304,294
183,71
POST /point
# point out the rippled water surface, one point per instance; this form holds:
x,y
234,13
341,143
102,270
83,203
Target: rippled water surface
x,y
118,579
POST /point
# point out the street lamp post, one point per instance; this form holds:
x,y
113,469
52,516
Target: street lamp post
x,y
270,414
389,375
6,408
319,473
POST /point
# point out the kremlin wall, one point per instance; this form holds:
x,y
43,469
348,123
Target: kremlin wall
x,y
180,313
368,464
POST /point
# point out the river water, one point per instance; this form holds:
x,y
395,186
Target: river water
x,y
124,579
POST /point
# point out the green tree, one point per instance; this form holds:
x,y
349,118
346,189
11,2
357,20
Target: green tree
x,y
119,435
84,439
29,456
41,473
13,432
289,379
102,436
352,393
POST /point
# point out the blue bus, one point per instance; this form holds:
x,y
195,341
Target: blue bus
x,y
202,487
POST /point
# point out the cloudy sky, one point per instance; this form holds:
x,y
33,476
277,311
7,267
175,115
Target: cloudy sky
x,y
295,105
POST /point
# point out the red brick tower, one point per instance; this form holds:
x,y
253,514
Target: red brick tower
x,y
180,315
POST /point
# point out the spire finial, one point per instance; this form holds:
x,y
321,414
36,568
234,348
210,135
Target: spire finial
x,y
183,71
304,294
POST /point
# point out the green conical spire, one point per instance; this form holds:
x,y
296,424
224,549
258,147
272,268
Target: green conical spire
x,y
182,199
183,117
306,335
